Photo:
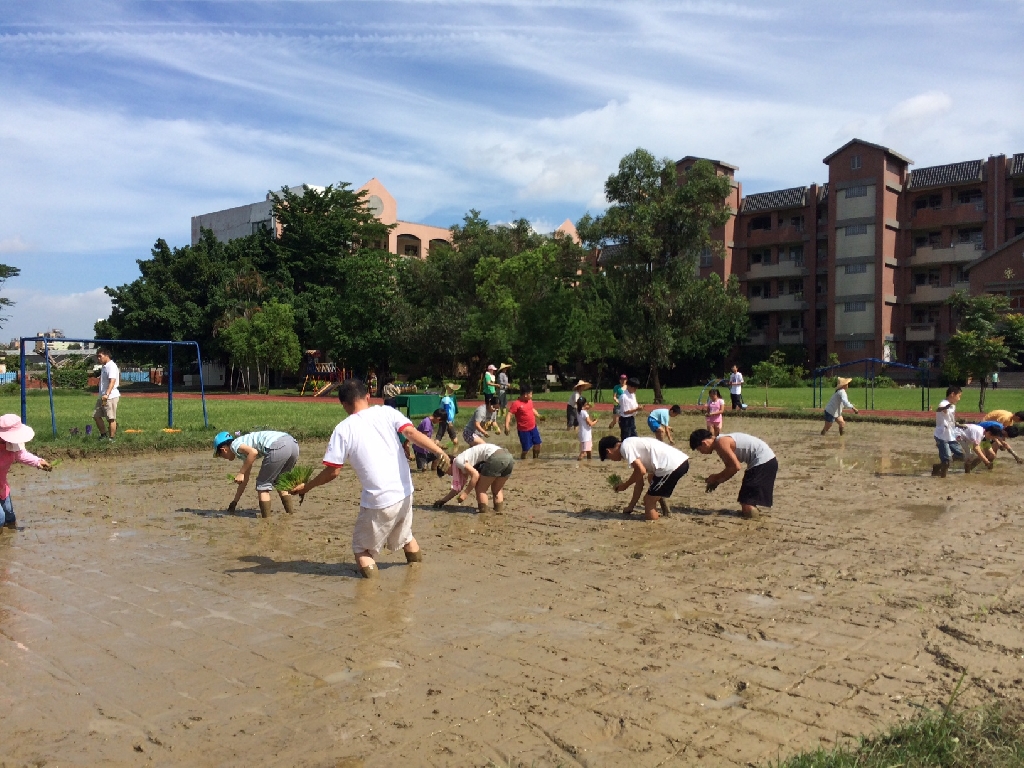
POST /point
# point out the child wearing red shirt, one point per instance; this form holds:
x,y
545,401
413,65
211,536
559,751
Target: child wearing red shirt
x,y
526,421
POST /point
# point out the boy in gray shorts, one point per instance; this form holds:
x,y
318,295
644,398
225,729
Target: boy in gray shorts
x,y
279,452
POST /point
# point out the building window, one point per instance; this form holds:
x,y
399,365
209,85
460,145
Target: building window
x,y
854,345
761,222
855,162
857,229
892,167
260,226
1018,191
705,257
755,290
855,306
969,196
971,236
861,191
961,275
855,269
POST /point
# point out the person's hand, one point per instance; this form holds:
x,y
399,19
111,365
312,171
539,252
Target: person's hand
x,y
438,504
621,487
710,486
103,399
232,505
240,478
298,490
460,498
444,462
48,467
1019,460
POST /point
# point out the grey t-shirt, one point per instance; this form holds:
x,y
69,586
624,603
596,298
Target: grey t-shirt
x,y
750,450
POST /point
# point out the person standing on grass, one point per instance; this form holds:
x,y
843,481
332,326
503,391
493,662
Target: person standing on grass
x,y
736,449
995,379
662,463
490,382
586,433
503,384
628,409
110,395
279,452
945,432
617,391
447,425
713,412
836,403
657,422
485,467
736,388
13,436
368,440
476,430
526,421
391,392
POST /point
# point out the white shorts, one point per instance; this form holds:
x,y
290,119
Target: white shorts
x,y
389,527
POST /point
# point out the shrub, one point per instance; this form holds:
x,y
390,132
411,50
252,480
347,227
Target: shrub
x,y
70,378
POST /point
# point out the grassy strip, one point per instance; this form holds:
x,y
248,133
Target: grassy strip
x,y
990,737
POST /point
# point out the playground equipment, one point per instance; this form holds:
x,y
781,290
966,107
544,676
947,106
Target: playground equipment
x,y
713,382
99,342
321,378
818,395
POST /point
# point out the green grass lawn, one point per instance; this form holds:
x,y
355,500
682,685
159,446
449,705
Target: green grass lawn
x,y
801,397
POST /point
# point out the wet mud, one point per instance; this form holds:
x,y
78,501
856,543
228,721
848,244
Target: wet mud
x,y
142,625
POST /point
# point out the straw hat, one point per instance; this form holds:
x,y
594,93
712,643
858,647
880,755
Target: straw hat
x,y
505,367
583,385
13,431
843,382
449,387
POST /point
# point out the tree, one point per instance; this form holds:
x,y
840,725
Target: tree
x,y
6,273
988,337
263,340
772,372
657,226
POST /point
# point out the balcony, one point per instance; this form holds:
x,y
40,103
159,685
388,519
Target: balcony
x,y
795,336
959,253
757,338
965,213
921,332
933,294
790,302
787,268
779,234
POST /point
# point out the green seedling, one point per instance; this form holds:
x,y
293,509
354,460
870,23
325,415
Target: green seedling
x,y
614,480
293,477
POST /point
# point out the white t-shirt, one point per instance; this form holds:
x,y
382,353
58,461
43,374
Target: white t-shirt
x,y
973,434
627,403
368,440
110,372
658,458
476,454
573,397
736,383
837,402
586,432
945,422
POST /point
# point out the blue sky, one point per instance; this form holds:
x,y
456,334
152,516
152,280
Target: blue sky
x,y
121,120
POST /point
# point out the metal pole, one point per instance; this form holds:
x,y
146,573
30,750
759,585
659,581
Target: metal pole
x,y
49,386
170,386
202,387
24,404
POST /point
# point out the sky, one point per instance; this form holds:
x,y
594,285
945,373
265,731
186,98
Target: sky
x,y
119,121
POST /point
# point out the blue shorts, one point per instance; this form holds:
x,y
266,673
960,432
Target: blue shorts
x,y
654,424
529,439
949,450
829,418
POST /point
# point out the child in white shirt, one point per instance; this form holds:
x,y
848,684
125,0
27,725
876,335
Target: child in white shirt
x,y
586,433
945,432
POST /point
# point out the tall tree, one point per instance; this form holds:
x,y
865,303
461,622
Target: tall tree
x,y
988,337
6,273
655,229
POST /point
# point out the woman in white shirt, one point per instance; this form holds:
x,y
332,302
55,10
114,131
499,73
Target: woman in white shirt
x,y
834,409
484,467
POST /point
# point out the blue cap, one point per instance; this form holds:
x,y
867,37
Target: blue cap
x,y
221,439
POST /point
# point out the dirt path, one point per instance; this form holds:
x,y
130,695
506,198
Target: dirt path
x,y
140,626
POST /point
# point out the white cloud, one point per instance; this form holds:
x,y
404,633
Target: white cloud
x,y
920,108
37,311
14,245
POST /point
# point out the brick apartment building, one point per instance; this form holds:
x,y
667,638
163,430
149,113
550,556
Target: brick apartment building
x,y
862,265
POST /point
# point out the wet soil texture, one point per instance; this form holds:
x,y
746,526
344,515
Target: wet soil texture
x,y
139,625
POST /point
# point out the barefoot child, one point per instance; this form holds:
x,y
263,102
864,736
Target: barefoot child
x,y
586,433
713,412
368,440
483,467
662,463
736,449
657,422
526,421
945,432
279,452
836,403
14,435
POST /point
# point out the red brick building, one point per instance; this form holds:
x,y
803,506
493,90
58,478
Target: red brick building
x,y
862,265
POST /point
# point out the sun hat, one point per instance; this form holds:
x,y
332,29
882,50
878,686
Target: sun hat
x,y
222,438
843,382
505,366
13,431
491,367
452,387
584,385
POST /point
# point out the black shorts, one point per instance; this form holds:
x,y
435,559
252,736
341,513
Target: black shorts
x,y
444,428
627,427
662,487
571,417
758,484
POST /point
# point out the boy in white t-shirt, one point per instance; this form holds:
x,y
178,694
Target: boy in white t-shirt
x,y
368,440
946,432
110,395
628,409
661,462
971,438
736,388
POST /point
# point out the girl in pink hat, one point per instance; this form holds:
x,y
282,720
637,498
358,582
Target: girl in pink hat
x,y
13,436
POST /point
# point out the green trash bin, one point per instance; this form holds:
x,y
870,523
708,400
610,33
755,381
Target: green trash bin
x,y
418,406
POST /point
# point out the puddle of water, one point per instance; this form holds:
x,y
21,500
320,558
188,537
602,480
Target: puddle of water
x,y
926,513
728,701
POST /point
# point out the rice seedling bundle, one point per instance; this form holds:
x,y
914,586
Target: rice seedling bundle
x,y
614,480
293,477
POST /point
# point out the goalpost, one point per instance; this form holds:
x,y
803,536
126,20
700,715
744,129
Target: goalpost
x,y
46,340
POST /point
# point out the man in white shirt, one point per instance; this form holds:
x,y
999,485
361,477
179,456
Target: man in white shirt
x,y
663,463
945,432
736,388
106,405
628,409
368,440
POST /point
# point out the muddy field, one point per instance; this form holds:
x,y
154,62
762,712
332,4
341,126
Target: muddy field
x,y
139,625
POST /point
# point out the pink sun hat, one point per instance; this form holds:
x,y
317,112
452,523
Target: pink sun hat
x,y
13,431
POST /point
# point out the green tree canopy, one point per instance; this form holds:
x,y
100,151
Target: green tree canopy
x,y
988,337
6,273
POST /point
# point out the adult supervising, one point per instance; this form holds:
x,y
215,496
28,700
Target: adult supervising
x,y
736,388
110,395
